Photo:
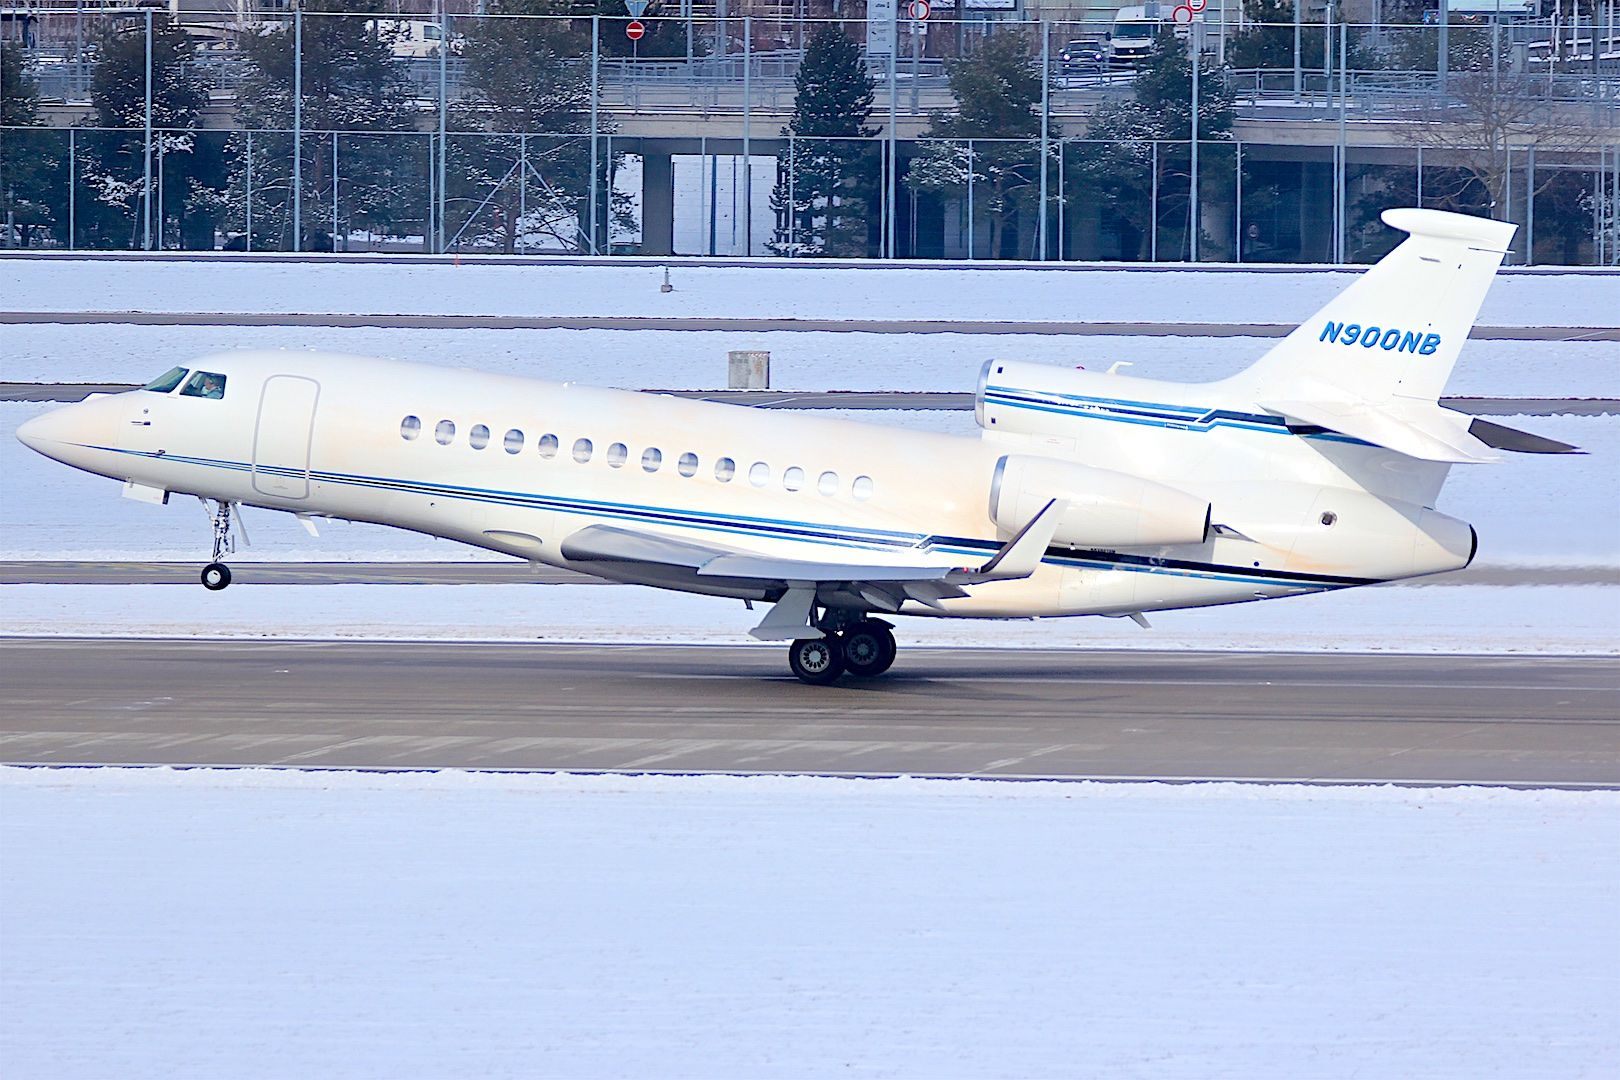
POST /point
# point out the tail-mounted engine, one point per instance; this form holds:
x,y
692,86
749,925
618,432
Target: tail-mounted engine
x,y
1106,509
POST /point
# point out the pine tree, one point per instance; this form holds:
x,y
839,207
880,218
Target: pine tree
x,y
530,176
352,85
998,97
1115,165
824,187
187,169
31,162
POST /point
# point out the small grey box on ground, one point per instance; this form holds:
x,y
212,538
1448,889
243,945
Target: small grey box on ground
x,y
749,370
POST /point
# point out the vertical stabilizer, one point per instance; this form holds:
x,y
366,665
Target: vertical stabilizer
x,y
1395,333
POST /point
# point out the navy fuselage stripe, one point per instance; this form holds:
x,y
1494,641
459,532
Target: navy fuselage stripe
x,y
774,528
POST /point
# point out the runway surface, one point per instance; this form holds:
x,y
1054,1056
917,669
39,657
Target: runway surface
x,y
749,325
884,399
513,572
1115,715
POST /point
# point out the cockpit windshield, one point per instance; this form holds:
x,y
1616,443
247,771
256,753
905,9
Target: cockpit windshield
x,y
167,381
206,384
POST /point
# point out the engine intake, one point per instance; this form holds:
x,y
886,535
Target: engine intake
x,y
1107,509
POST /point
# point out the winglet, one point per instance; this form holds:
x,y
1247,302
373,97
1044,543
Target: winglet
x,y
1019,557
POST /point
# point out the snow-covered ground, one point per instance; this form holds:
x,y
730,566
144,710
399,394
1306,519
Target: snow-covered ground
x,y
800,360
629,288
274,924
1528,619
1530,510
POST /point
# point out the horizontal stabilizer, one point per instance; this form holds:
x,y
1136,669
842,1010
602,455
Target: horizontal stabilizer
x,y
1414,428
1520,442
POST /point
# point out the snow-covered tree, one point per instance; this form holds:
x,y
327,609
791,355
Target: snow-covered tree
x,y
31,162
998,97
825,183
187,171
353,91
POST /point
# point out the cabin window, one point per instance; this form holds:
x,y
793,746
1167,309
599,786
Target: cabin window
x,y
513,442
724,470
582,450
827,484
167,381
759,474
410,428
688,464
478,436
205,384
445,432
862,487
651,458
793,479
547,446
617,454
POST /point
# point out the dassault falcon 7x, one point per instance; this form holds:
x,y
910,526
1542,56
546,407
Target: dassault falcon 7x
x,y
1084,493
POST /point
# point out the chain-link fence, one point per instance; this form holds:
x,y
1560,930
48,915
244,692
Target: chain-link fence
x,y
1196,136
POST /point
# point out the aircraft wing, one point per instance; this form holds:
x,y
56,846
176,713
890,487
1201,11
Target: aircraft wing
x,y
797,584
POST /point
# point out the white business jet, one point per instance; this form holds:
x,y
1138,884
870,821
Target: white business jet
x,y
1084,493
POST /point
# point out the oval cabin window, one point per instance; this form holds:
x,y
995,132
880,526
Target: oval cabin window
x,y
793,478
478,437
410,428
724,470
617,454
582,450
862,488
827,484
688,465
547,446
445,433
759,474
513,441
651,458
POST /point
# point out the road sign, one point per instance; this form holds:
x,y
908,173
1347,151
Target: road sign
x,y
1182,14
918,10
634,30
636,8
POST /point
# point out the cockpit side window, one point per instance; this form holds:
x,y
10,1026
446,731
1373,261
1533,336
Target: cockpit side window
x,y
167,381
208,384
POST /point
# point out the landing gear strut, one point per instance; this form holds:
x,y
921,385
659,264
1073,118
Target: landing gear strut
x,y
864,648
216,575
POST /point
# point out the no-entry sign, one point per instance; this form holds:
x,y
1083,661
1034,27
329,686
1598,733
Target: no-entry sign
x,y
634,30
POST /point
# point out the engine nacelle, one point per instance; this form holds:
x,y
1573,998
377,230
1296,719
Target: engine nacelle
x,y
1107,509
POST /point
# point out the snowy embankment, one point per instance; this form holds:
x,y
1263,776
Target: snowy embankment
x,y
800,359
271,924
783,290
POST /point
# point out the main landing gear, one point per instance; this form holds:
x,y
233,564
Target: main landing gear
x,y
216,575
865,649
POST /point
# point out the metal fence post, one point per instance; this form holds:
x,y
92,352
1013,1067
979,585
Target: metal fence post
x,y
747,149
1530,206
889,195
334,192
250,189
1237,198
444,111
1046,123
1197,37
1153,208
1299,75
298,130
793,195
73,170
1341,193
970,222
146,186
596,86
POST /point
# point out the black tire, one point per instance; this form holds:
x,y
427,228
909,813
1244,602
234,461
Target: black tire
x,y
215,576
869,649
817,661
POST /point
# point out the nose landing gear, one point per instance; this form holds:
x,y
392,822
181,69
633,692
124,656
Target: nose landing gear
x,y
216,575
865,649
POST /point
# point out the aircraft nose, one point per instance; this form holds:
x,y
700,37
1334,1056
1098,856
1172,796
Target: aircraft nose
x,y
47,431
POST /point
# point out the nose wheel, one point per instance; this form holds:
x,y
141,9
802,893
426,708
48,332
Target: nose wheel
x,y
216,575
864,649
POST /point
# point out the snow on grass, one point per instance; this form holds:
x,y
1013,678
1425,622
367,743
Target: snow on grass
x,y
1546,619
1533,509
785,290
800,360
272,924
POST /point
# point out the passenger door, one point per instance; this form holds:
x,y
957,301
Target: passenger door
x,y
282,436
